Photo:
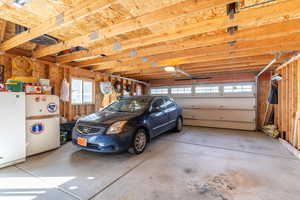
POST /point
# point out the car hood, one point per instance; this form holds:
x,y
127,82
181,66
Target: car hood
x,y
107,118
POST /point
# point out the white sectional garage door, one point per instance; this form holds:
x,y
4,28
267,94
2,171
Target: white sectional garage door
x,y
231,105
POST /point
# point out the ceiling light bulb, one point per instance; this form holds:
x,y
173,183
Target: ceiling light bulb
x,y
170,69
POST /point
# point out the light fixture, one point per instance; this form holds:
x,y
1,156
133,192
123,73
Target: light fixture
x,y
20,3
170,69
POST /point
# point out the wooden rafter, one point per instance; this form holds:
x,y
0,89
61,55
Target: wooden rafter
x,y
2,29
198,66
259,47
184,8
248,18
81,10
207,72
257,33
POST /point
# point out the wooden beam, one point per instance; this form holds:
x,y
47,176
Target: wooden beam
x,y
2,29
248,18
161,72
81,11
200,65
257,33
209,53
185,8
215,72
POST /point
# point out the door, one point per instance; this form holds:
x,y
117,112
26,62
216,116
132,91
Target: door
x,y
227,105
42,135
158,118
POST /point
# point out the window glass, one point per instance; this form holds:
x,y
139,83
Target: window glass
x,y
76,91
181,90
158,103
87,91
238,88
82,91
168,103
129,105
206,89
159,91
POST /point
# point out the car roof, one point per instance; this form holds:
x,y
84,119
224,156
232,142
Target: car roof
x,y
140,97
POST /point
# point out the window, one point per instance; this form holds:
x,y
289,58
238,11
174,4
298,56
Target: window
x,y
183,90
129,105
238,88
82,91
159,91
206,89
158,103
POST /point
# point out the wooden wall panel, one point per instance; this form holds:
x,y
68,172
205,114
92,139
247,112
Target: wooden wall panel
x,y
289,103
56,74
262,97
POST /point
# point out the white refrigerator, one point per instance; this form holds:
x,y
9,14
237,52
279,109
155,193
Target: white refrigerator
x,y
42,123
12,128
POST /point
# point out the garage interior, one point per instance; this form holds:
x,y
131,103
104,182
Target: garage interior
x,y
233,65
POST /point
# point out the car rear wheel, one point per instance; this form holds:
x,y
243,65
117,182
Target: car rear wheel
x,y
139,141
179,124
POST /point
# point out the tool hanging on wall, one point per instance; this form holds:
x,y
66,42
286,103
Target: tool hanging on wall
x,y
117,86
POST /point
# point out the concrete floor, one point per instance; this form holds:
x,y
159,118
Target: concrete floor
x,y
198,163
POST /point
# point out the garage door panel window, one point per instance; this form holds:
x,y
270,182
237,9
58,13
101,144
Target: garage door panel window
x,y
238,88
82,91
207,89
159,91
182,90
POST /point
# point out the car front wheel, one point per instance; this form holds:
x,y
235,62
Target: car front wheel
x,y
179,124
139,141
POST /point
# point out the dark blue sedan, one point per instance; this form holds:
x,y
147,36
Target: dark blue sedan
x,y
130,122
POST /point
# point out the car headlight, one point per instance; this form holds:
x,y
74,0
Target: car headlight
x,y
116,128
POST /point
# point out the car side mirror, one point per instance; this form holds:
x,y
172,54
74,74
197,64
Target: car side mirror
x,y
155,109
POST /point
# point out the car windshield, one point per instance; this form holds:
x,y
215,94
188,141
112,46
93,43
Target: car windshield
x,y
129,105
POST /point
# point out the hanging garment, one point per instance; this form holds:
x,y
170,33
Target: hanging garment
x,y
273,96
65,91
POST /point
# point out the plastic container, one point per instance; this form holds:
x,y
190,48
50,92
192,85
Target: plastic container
x,y
15,86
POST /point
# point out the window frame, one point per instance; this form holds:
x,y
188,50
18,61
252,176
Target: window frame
x,y
93,91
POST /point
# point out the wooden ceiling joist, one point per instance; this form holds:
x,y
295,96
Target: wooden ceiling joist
x,y
248,18
227,55
81,10
206,72
180,57
200,66
2,29
184,8
257,33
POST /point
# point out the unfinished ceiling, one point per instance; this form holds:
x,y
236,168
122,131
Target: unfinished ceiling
x,y
137,38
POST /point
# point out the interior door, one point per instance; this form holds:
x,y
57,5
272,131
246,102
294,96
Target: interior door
x,y
158,119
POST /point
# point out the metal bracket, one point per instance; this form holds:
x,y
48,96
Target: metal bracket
x,y
154,64
232,43
117,46
145,59
60,19
94,35
232,29
232,9
133,53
